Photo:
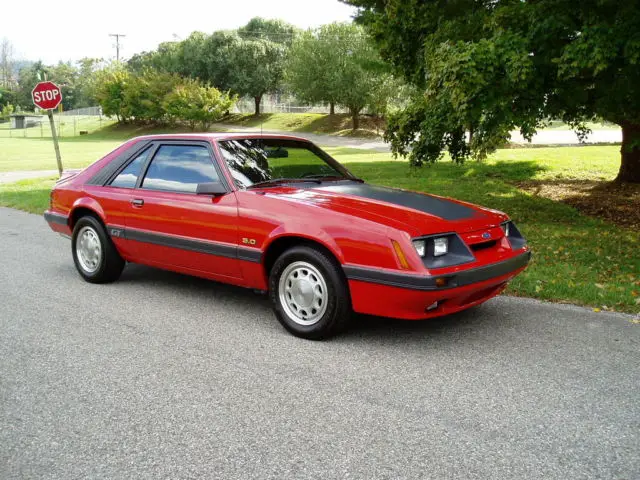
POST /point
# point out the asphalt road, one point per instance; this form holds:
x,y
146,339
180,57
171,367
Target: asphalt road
x,y
165,376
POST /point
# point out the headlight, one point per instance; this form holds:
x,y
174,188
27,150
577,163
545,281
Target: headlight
x,y
440,246
442,250
420,246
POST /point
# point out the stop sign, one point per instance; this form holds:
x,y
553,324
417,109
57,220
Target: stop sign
x,y
46,95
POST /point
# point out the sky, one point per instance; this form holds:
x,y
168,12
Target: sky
x,y
72,29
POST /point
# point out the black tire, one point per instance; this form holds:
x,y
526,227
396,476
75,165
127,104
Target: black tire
x,y
337,311
110,264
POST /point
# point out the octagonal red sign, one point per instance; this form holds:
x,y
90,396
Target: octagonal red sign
x,y
46,95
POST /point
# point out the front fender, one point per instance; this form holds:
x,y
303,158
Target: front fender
x,y
317,235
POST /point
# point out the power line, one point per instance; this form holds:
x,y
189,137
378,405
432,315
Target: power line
x,y
117,35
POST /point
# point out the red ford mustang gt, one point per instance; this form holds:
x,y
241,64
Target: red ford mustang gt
x,y
277,214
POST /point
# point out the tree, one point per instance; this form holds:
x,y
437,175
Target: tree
x,y
360,71
197,104
7,97
28,77
492,66
217,59
336,63
110,86
191,58
139,61
65,75
6,111
143,95
276,31
6,64
165,59
256,68
312,71
85,83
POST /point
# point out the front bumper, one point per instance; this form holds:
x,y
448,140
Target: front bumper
x,y
402,295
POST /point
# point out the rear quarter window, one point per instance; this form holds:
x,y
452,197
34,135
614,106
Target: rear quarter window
x,y
128,177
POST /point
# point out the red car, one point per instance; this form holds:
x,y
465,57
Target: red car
x,y
277,214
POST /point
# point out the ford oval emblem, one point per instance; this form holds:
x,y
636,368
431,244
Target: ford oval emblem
x,y
486,235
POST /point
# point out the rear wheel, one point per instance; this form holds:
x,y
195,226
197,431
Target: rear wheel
x,y
309,293
94,254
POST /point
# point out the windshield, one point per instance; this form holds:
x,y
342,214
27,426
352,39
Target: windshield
x,y
268,160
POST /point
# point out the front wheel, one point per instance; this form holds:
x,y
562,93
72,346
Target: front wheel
x,y
94,254
309,293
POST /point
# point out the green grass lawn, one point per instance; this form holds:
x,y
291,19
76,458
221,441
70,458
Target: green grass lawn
x,y
28,195
38,153
577,259
28,153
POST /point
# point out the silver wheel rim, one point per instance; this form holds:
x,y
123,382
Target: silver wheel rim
x,y
88,249
303,293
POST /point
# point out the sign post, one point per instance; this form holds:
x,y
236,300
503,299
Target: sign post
x,y
47,96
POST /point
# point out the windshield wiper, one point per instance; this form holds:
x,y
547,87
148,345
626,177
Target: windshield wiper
x,y
278,181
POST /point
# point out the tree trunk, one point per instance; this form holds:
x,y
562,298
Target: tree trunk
x,y
630,154
470,134
257,100
332,108
355,117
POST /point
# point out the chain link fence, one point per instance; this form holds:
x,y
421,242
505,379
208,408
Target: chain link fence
x,y
68,124
279,104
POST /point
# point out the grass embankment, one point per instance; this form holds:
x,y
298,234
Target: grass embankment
x,y
577,259
319,123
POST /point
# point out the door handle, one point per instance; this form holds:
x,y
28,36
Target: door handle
x,y
137,202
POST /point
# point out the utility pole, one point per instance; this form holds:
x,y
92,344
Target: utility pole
x,y
118,36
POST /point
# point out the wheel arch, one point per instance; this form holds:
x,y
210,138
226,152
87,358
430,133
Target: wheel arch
x,y
284,242
85,206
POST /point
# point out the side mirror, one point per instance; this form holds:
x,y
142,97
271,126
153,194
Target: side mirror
x,y
211,188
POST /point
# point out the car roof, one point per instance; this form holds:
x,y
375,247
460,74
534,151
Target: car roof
x,y
218,136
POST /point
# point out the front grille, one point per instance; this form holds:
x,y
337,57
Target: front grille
x,y
483,245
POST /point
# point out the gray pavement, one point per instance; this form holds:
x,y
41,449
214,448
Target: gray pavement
x,y
161,375
10,177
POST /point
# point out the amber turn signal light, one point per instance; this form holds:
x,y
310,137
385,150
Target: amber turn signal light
x,y
400,254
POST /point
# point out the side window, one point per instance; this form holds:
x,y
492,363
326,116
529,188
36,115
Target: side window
x,y
128,177
180,168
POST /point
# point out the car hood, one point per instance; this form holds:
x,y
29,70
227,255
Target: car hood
x,y
419,213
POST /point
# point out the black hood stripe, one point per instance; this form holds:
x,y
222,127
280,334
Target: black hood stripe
x,y
439,207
